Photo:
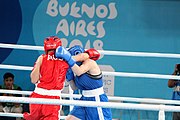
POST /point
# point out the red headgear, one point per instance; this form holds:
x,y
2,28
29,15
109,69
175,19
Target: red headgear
x,y
51,43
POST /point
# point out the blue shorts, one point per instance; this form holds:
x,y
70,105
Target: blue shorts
x,y
91,113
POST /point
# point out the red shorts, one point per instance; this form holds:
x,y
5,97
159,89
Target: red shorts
x,y
43,111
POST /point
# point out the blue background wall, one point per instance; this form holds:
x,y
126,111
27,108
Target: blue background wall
x,y
140,25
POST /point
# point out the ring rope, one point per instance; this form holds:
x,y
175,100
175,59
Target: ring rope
x,y
114,105
15,67
161,108
105,52
24,47
111,98
11,114
122,74
20,115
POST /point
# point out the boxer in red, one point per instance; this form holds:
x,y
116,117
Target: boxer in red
x,y
48,75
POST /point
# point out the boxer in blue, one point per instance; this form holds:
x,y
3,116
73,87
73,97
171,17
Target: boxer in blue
x,y
88,78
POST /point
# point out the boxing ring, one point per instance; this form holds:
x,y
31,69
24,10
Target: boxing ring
x,y
161,106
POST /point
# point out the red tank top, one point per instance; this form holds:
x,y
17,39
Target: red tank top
x,y
53,73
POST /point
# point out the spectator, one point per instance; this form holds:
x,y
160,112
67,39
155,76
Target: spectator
x,y
10,107
176,93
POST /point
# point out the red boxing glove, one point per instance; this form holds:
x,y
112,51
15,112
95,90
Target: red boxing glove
x,y
93,54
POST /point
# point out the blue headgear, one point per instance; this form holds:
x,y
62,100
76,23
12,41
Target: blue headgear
x,y
75,50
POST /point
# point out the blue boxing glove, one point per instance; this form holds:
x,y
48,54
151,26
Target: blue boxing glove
x,y
69,75
62,53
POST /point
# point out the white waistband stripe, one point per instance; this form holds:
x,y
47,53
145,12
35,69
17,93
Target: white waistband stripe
x,y
93,93
42,91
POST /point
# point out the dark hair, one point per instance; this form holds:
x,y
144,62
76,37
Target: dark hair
x,y
8,74
178,67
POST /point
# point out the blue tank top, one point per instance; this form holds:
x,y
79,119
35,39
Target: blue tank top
x,y
88,82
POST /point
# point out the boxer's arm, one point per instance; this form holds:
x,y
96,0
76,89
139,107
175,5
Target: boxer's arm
x,y
81,57
35,74
86,66
62,53
69,75
72,84
90,53
93,54
70,79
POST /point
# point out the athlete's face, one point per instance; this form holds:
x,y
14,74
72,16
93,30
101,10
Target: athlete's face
x,y
9,82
